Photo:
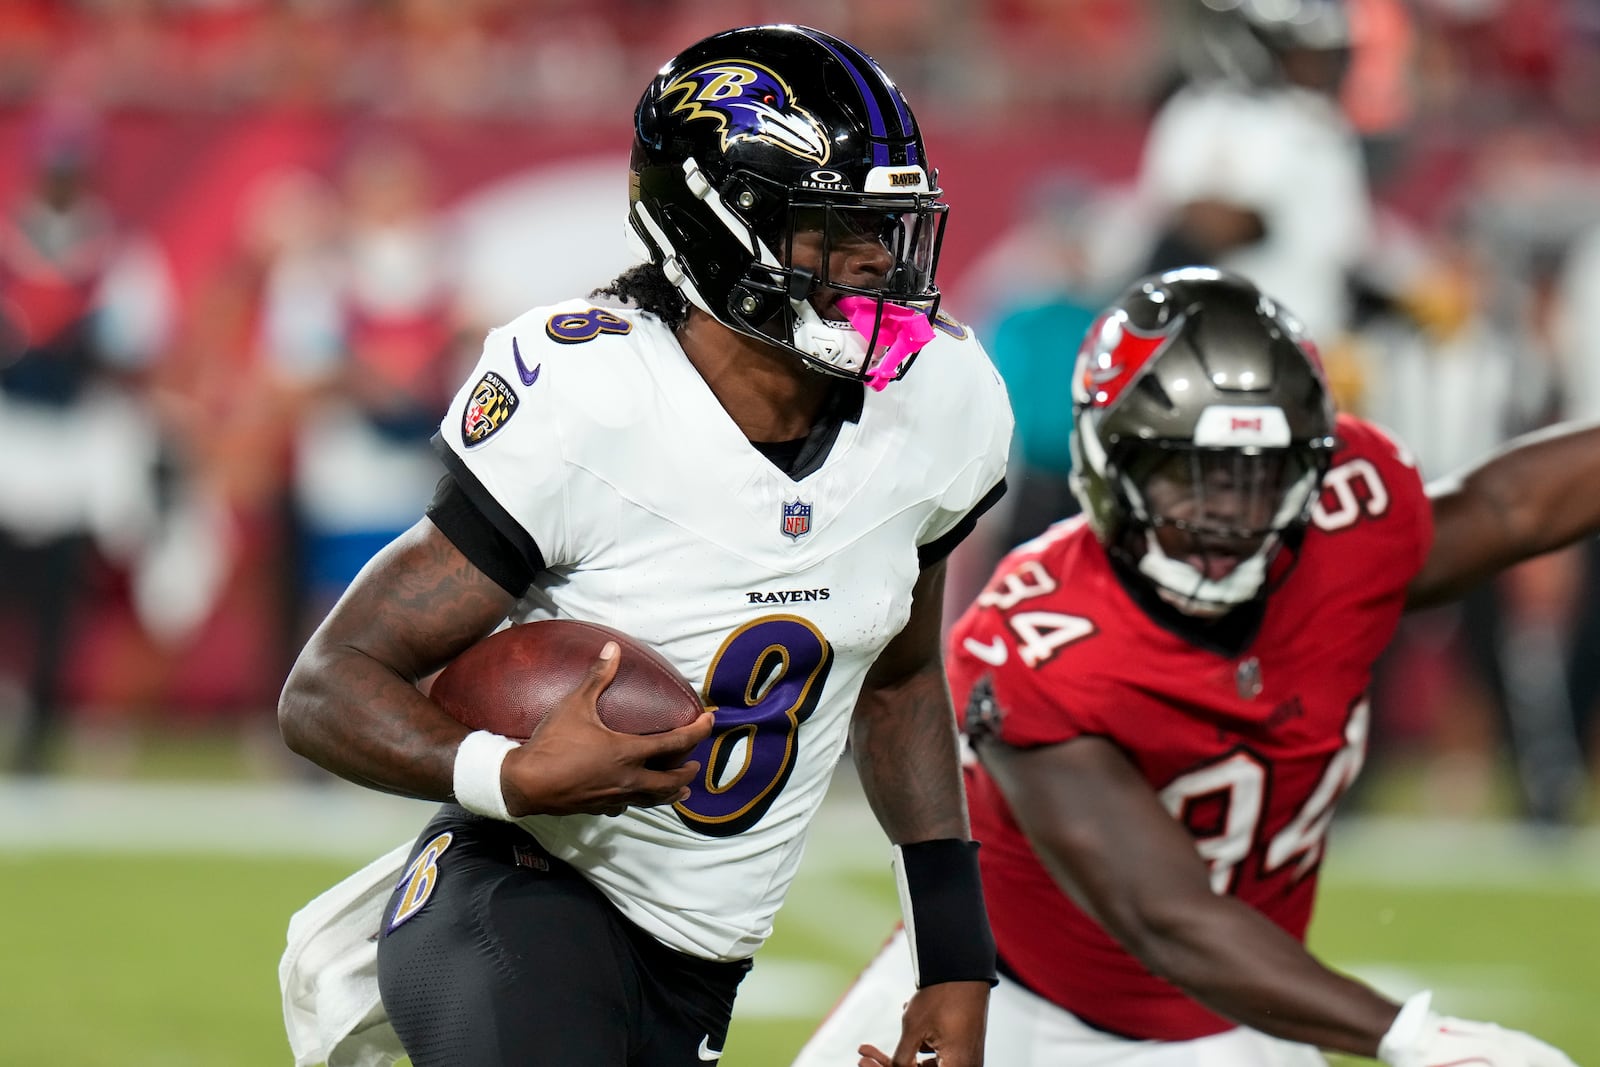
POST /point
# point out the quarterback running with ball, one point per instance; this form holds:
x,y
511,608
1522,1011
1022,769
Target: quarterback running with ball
x,y
753,452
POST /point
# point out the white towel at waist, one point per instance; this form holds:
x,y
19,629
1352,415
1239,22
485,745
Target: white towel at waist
x,y
329,972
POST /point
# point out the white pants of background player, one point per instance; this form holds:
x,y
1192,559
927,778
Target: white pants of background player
x,y
1026,1030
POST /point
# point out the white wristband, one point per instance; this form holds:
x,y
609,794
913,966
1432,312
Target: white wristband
x,y
477,773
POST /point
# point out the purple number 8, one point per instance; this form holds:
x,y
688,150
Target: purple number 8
x,y
576,327
763,683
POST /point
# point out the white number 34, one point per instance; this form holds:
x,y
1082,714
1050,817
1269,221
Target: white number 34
x,y
1039,634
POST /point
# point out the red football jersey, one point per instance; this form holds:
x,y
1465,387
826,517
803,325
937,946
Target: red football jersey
x,y
1251,753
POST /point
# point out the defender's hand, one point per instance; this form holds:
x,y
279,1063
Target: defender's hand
x,y
574,763
1421,1038
945,1019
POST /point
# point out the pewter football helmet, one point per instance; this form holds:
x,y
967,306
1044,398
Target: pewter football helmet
x,y
1195,383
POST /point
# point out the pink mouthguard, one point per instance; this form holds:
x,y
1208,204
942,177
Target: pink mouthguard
x,y
903,332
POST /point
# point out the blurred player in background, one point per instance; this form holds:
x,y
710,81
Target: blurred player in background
x,y
726,458
1167,698
1252,165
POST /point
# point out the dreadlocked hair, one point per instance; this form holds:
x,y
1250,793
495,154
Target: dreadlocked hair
x,y
645,287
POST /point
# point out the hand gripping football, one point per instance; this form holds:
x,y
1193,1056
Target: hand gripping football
x,y
509,680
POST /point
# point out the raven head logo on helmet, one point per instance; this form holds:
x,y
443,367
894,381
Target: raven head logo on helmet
x,y
1202,428
780,182
749,102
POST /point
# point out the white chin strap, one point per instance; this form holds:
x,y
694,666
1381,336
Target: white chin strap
x,y
1191,592
834,343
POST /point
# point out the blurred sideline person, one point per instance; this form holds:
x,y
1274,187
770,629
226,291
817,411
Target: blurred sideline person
x,y
1023,344
363,466
1167,697
1252,166
733,464
1479,339
1579,284
77,487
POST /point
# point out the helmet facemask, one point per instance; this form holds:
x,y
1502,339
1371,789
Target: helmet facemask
x,y
1204,524
850,326
804,310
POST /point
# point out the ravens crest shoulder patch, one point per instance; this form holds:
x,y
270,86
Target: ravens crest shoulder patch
x,y
491,404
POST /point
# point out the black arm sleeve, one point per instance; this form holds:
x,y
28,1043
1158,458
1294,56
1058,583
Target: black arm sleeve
x,y
456,513
934,551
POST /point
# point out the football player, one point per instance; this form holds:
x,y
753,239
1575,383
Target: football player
x,y
753,452
1167,697
1253,165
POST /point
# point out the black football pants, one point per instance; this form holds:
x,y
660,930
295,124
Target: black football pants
x,y
494,953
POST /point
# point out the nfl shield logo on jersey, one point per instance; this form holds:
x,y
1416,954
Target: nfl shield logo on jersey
x,y
796,519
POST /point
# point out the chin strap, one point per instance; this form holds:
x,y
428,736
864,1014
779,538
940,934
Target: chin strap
x,y
836,345
1186,589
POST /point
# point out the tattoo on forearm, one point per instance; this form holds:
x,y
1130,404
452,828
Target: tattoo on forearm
x,y
376,727
437,588
906,754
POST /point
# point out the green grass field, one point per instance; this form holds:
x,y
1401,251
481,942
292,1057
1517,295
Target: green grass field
x,y
123,946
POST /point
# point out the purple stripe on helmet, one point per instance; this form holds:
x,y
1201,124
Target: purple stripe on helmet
x,y
875,123
908,125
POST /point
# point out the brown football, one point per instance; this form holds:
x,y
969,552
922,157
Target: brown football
x,y
509,680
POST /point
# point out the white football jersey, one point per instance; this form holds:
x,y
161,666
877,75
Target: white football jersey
x,y
655,515
1290,156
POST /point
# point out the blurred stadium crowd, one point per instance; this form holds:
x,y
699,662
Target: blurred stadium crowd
x,y
248,248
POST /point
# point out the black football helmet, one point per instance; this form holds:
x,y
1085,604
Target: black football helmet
x,y
1268,42
754,135
1199,405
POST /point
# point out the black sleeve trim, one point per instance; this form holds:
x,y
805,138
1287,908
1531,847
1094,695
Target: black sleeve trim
x,y
481,528
936,550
